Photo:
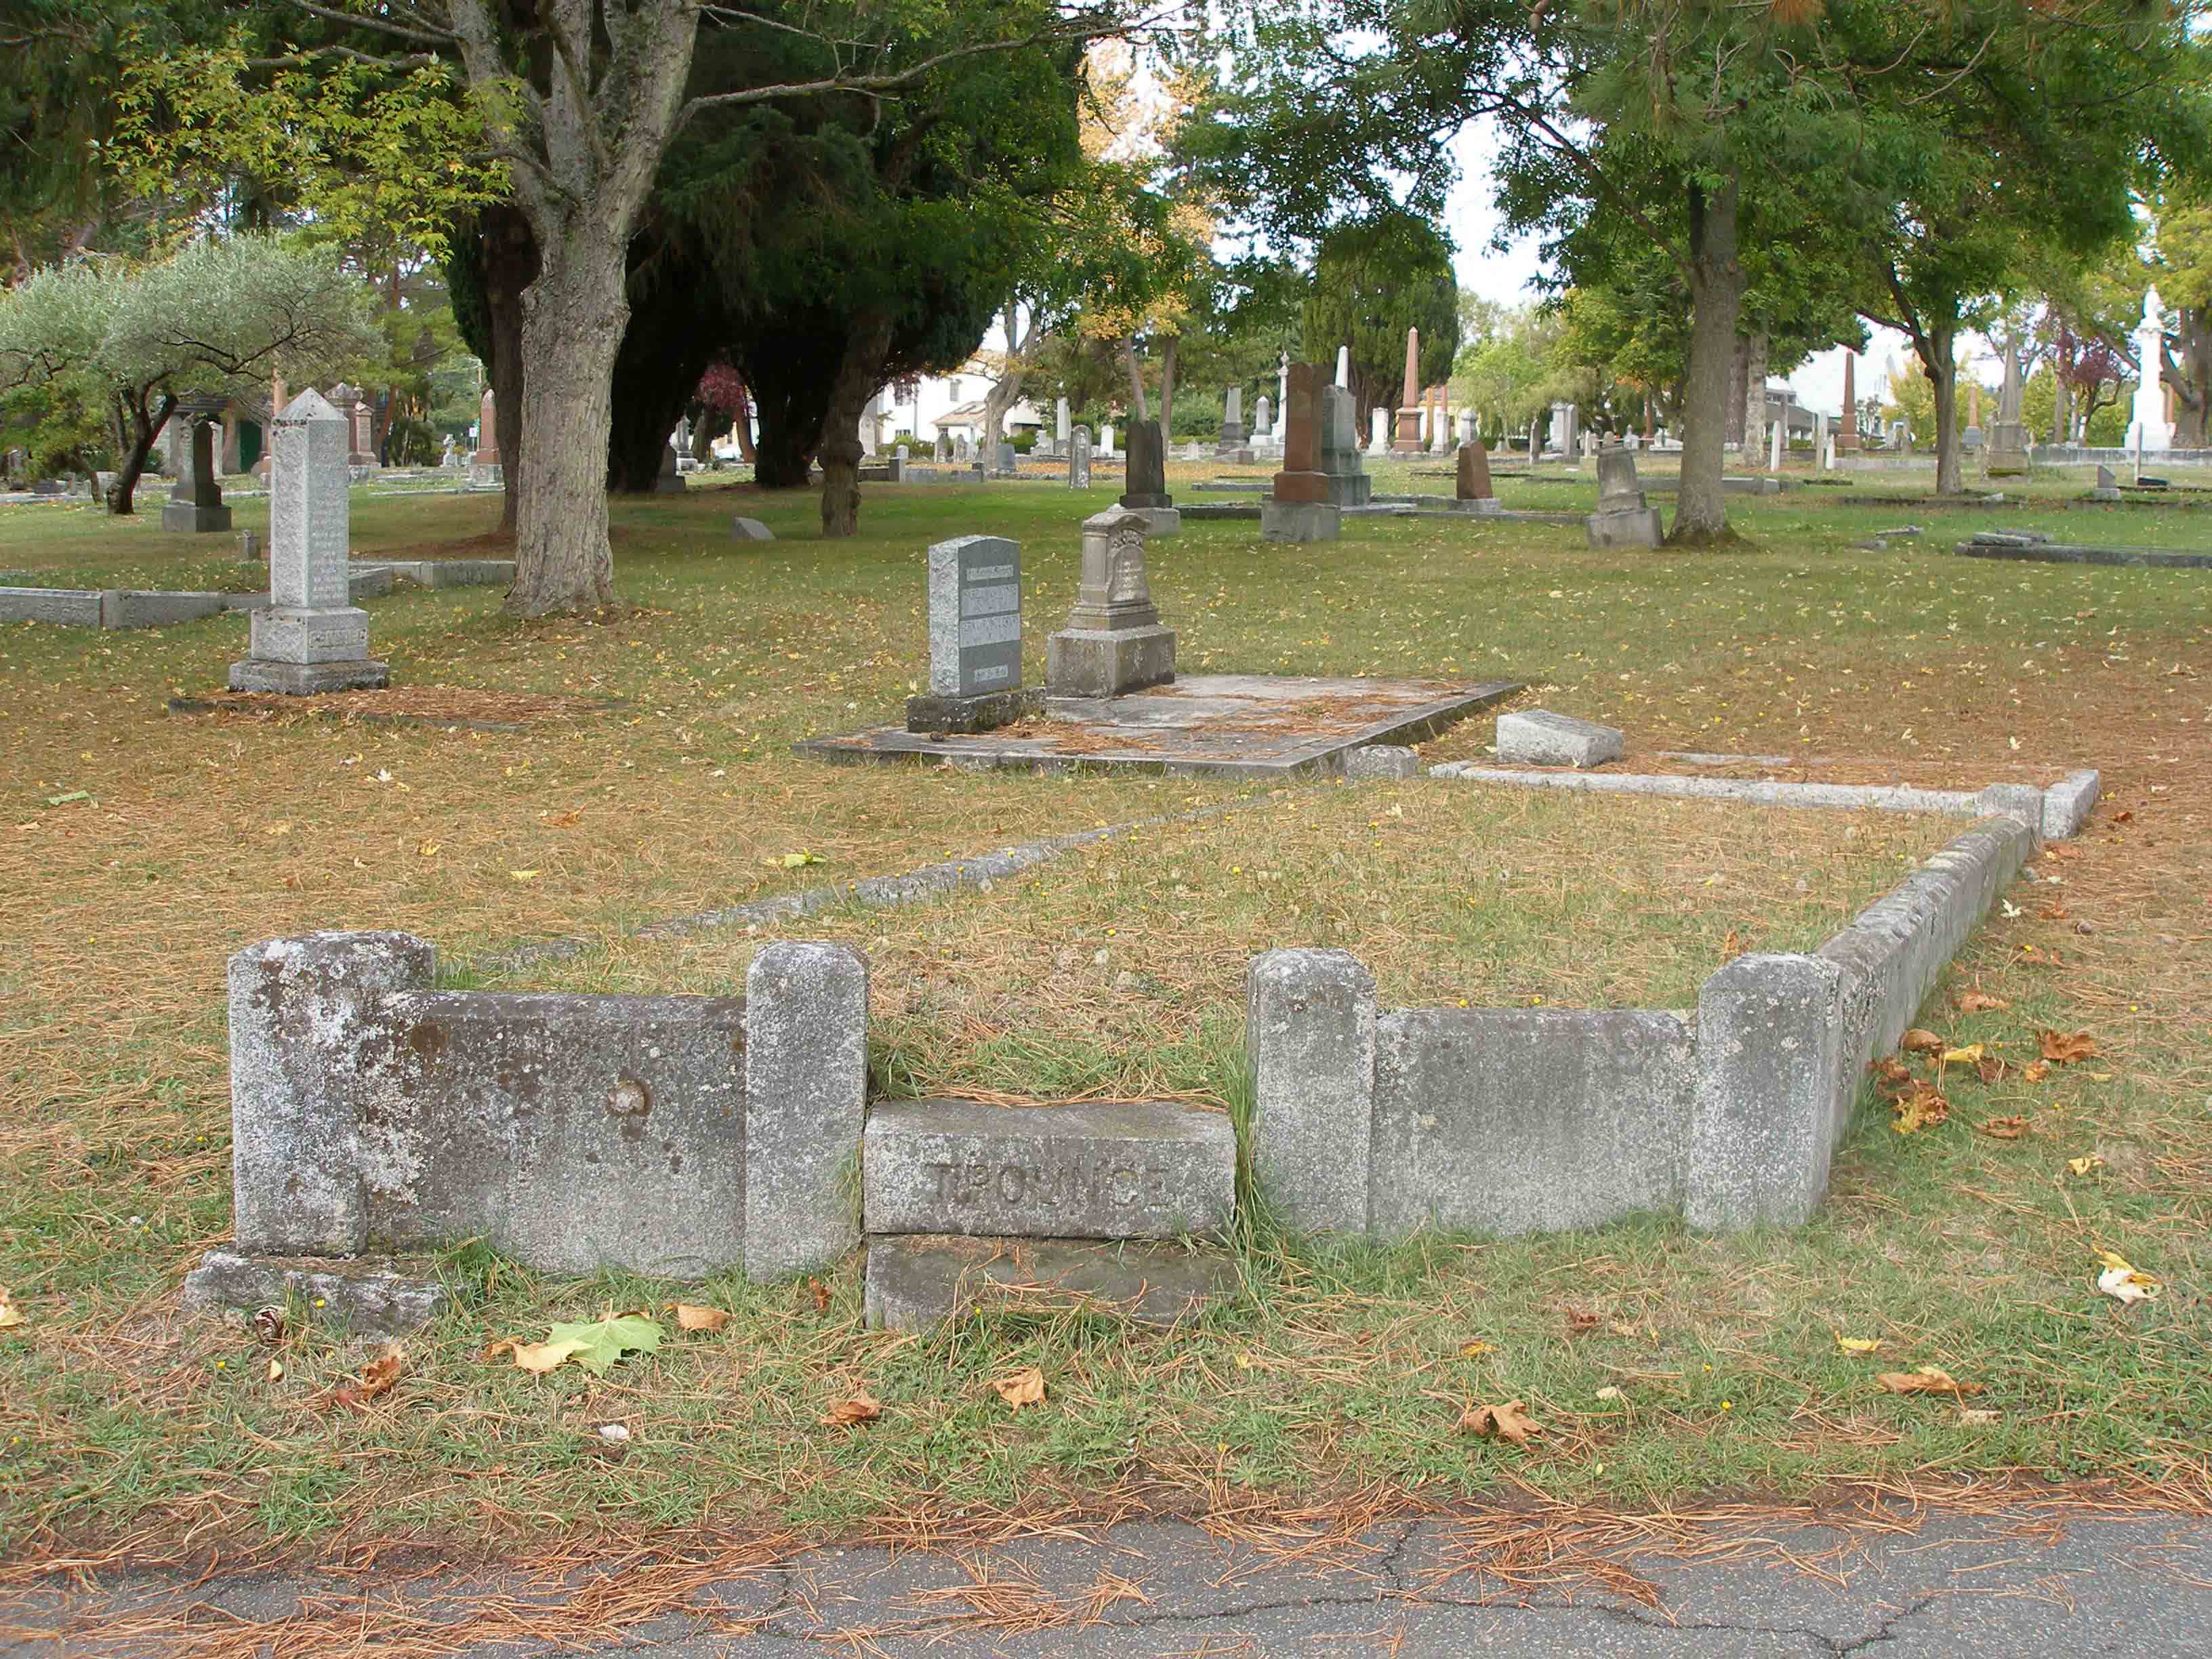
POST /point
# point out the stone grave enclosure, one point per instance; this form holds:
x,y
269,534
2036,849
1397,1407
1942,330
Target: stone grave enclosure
x,y
375,1115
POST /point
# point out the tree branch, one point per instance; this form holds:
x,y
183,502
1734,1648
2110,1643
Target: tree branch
x,y
426,34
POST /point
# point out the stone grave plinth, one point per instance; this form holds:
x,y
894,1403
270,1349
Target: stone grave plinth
x,y
1113,642
195,504
975,640
311,638
1622,519
1300,508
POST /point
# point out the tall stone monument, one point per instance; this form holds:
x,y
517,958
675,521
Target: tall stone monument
x,y
2008,432
311,638
975,639
483,465
195,504
1343,370
1299,509
1622,519
1338,451
1409,441
1079,460
1059,427
2150,430
1233,435
1144,480
1114,643
1847,426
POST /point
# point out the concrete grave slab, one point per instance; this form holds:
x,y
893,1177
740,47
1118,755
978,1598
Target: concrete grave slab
x,y
1222,725
916,1280
1088,1170
1537,737
2044,551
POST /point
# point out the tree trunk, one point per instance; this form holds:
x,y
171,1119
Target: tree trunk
x,y
860,372
572,326
1717,284
1739,378
741,422
1942,373
1754,400
1167,386
2061,409
1139,410
2190,377
144,426
510,257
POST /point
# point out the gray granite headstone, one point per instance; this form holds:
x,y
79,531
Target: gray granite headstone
x,y
195,504
975,638
311,638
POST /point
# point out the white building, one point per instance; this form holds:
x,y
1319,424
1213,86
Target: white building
x,y
920,407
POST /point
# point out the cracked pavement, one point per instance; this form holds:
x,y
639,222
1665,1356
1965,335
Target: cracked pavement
x,y
2030,1582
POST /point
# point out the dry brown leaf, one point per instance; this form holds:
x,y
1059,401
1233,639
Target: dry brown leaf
x,y
690,1318
1981,1002
861,1408
1732,945
2061,1049
1992,1069
376,1380
1507,1422
538,1358
1922,1109
821,1293
2005,1128
2036,1070
1926,1379
1023,1388
1917,1041
1580,1320
2052,913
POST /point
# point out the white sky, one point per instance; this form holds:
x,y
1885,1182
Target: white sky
x,y
1510,275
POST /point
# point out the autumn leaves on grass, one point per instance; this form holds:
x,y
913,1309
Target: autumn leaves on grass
x,y
1918,1102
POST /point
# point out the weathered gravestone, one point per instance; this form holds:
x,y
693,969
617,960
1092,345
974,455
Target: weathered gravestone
x,y
670,481
1338,448
1079,460
1622,519
1233,435
1472,483
1300,508
310,639
195,504
1009,459
1263,421
944,448
1379,429
2107,487
975,639
483,464
1144,481
1113,642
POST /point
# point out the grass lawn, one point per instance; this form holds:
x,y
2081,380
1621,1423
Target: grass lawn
x,y
652,777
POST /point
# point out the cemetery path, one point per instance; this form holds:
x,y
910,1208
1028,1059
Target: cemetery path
x,y
2002,1582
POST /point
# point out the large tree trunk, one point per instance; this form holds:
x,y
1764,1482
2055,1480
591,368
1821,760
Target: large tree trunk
x,y
1717,284
142,427
1139,410
573,320
1167,386
2062,411
1941,368
1754,400
510,265
2190,374
860,372
1739,378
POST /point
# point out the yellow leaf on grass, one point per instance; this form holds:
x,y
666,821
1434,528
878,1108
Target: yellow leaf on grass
x,y
524,875
1922,1109
2081,1166
1025,1388
428,849
1858,1345
1473,1350
1926,1379
793,860
690,1318
1969,1056
10,1314
282,828
1507,1422
861,1408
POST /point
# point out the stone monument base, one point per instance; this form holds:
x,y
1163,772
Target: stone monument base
x,y
306,679
986,712
184,517
1083,662
1626,526
1158,520
1300,521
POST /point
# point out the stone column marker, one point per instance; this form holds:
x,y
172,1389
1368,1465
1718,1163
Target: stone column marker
x,y
311,638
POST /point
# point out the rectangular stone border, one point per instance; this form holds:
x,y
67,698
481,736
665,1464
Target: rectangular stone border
x,y
2064,553
1762,1087
2055,813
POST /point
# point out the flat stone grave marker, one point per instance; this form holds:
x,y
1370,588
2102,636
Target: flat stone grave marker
x,y
1537,737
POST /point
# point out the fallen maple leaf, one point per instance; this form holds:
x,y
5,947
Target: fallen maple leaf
x,y
1506,1422
1858,1345
1926,1379
376,1380
1922,1109
594,1343
2127,1283
1917,1041
2005,1128
690,1318
1025,1388
1981,1002
862,1407
2060,1048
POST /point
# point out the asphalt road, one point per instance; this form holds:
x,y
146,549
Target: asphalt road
x,y
1943,1586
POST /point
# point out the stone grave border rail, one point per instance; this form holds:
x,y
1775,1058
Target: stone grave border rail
x,y
372,1112
125,607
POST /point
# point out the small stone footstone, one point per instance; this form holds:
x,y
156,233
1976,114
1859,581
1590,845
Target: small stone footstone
x,y
915,1282
750,530
1096,1170
1382,760
372,1296
1113,642
975,640
1537,737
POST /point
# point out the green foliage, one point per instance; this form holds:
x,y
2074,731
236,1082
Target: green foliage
x,y
1509,377
1372,281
